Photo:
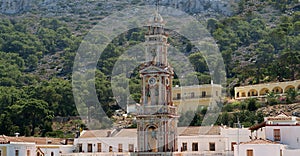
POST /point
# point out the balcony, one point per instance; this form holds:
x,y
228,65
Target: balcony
x,y
156,109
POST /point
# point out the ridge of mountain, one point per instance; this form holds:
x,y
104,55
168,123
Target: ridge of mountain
x,y
93,7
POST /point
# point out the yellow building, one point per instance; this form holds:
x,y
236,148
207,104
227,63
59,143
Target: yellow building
x,y
191,97
261,90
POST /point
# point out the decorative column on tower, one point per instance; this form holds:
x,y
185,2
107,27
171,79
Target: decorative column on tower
x,y
157,117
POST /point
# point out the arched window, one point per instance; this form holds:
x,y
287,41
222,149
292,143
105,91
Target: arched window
x,y
252,92
52,154
287,88
263,91
277,90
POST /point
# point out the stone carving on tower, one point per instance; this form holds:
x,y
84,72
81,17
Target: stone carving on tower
x,y
157,116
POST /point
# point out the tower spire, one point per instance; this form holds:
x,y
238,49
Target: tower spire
x,y
157,6
156,115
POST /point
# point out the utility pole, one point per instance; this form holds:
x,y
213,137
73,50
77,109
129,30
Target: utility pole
x,y
238,144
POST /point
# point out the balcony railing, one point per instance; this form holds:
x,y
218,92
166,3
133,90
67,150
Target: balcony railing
x,y
156,109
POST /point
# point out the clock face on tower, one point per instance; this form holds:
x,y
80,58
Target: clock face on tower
x,y
152,81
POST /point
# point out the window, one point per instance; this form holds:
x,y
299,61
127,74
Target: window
x,y
130,147
178,96
212,146
0,153
276,134
16,152
217,93
243,94
192,95
280,152
184,146
99,147
249,152
28,153
80,147
52,154
232,145
203,94
90,148
195,146
110,149
120,148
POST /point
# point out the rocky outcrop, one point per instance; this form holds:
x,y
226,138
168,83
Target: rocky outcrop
x,y
197,6
73,6
14,6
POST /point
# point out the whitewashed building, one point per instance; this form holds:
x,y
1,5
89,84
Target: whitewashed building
x,y
216,140
282,138
33,146
258,147
17,149
105,141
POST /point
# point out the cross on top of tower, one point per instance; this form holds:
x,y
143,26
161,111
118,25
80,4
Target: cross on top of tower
x,y
157,6
156,19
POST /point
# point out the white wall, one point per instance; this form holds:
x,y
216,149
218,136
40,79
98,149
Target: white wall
x,y
106,142
235,135
290,135
66,148
291,152
56,149
203,142
47,150
258,149
22,147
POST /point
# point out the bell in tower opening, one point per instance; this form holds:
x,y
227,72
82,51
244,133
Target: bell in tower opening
x,y
157,116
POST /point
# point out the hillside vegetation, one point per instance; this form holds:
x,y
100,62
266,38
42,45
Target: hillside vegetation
x,y
37,50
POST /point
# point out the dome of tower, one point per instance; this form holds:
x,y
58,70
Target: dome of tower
x,y
156,18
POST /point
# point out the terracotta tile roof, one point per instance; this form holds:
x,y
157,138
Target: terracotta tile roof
x,y
95,133
260,141
198,130
127,133
37,140
3,139
182,131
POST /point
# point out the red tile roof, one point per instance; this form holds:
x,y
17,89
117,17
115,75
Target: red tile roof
x,y
38,140
198,130
260,141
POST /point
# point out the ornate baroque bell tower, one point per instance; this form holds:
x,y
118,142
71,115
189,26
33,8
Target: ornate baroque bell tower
x,y
157,117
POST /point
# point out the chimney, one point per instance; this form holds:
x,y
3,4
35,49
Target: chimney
x,y
108,133
17,134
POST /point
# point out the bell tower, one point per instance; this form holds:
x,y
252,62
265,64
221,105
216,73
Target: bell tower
x,y
157,116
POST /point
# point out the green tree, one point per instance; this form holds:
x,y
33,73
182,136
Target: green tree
x,y
272,98
198,62
291,95
35,114
252,104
